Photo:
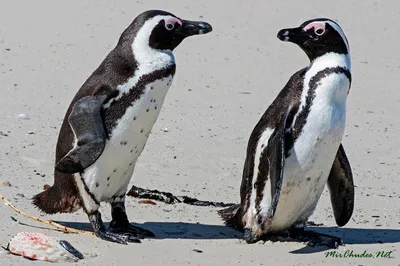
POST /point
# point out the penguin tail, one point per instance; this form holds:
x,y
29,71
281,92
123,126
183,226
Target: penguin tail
x,y
232,217
58,199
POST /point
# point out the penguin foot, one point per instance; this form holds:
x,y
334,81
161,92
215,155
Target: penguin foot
x,y
121,238
316,239
120,223
109,234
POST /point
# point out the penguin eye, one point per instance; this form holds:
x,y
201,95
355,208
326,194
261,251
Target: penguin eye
x,y
319,31
169,26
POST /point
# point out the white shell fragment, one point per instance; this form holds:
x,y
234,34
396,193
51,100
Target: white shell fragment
x,y
40,246
23,116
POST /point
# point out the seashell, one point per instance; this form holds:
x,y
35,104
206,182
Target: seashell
x,y
41,246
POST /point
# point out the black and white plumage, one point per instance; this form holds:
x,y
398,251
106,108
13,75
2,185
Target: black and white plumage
x,y
109,120
295,149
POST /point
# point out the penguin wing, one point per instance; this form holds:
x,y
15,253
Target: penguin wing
x,y
341,188
276,157
87,125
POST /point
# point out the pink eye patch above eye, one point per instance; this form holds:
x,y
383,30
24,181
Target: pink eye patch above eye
x,y
173,21
315,25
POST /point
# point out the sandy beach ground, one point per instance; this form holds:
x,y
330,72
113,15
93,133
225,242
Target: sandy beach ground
x,y
224,82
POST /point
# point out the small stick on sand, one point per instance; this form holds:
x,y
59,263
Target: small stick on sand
x,y
59,227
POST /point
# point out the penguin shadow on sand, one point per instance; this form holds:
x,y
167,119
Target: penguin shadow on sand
x,y
353,236
174,230
197,231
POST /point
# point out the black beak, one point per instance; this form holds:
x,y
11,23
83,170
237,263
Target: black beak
x,y
190,28
294,35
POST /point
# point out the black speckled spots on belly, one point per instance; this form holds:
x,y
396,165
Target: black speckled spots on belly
x,y
118,107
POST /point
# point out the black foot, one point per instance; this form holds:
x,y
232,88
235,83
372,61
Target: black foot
x,y
131,231
100,231
121,225
168,198
115,237
316,239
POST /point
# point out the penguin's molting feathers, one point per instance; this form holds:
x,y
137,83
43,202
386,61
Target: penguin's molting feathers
x,y
88,127
62,197
232,217
341,188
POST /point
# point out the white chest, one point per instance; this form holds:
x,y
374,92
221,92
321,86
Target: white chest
x,y
308,166
111,173
133,128
325,122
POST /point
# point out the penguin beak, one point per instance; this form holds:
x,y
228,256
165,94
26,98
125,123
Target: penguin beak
x,y
190,28
294,35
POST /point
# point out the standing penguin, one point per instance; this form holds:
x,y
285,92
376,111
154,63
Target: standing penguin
x,y
295,148
109,120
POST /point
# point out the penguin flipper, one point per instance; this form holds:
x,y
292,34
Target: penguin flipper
x,y
276,156
88,127
341,188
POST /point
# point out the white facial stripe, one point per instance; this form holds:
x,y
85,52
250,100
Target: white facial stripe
x,y
140,45
148,58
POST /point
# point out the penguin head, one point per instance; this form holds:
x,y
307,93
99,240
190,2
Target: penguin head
x,y
317,37
162,30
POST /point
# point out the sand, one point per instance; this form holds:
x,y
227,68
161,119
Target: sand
x,y
224,82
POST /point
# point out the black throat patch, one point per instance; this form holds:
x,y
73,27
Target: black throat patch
x,y
301,119
118,108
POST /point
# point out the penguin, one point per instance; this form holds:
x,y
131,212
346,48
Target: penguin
x,y
295,148
108,122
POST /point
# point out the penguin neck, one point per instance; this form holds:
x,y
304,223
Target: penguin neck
x,y
149,57
149,60
331,90
330,59
145,55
